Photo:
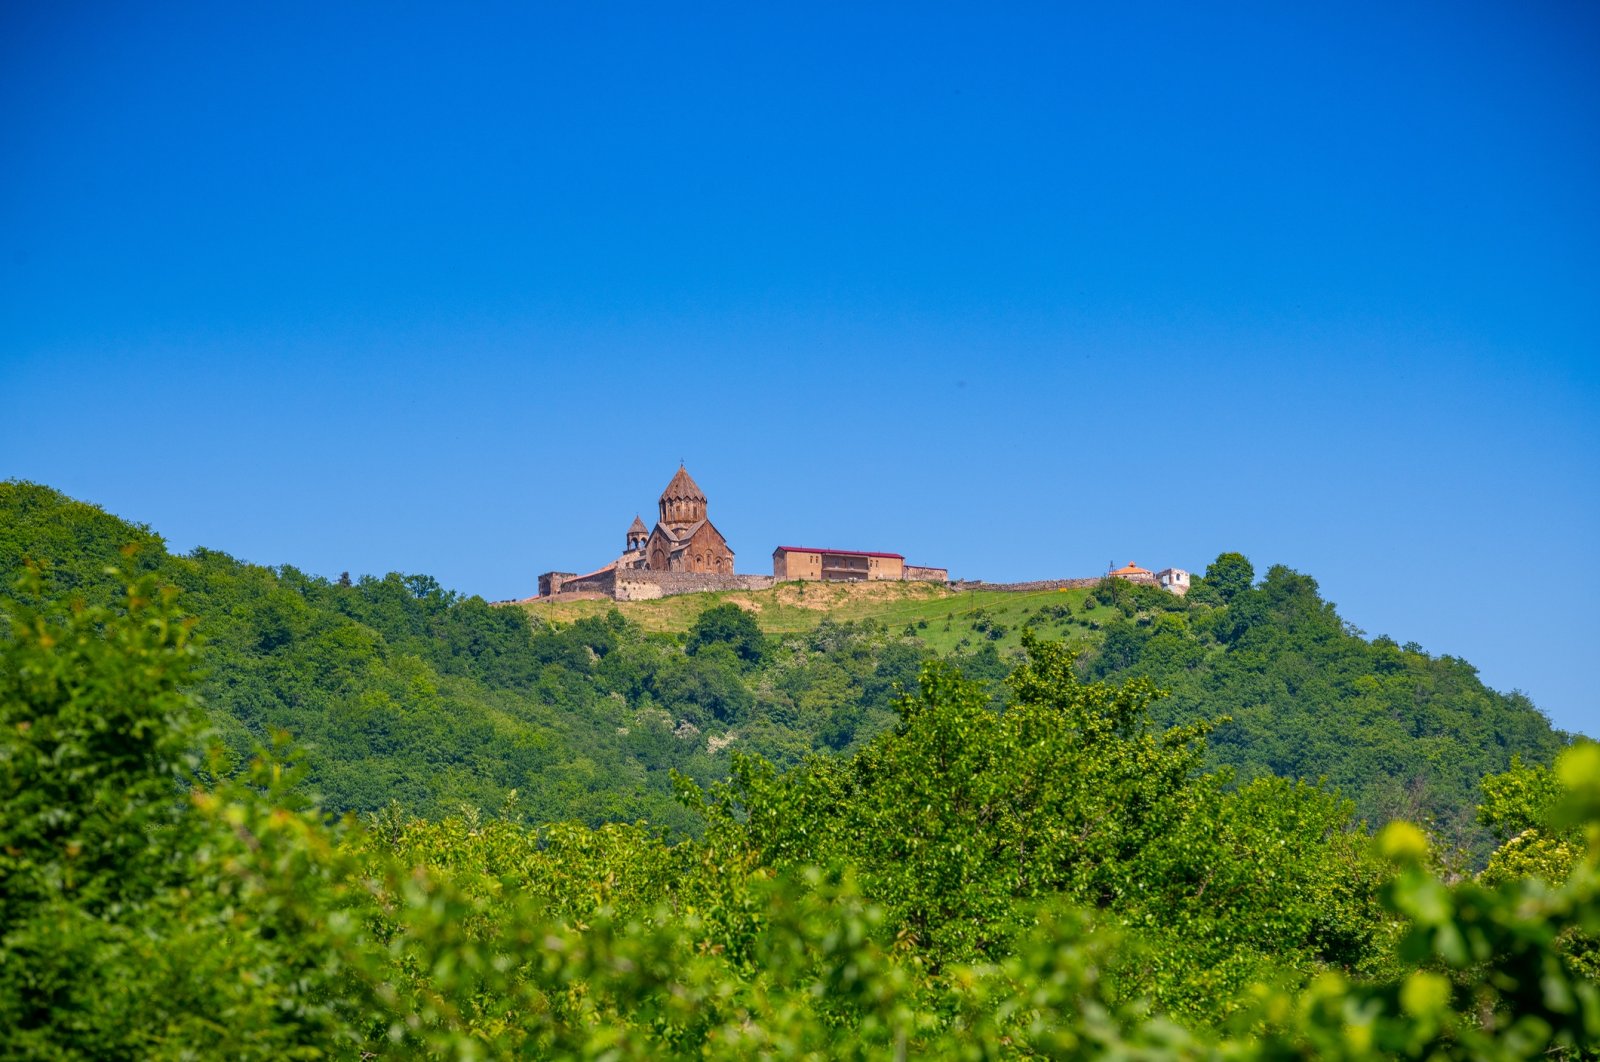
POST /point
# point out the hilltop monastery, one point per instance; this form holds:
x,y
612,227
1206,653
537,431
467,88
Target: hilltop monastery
x,y
685,553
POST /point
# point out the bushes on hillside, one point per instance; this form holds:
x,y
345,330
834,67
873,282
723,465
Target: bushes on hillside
x,y
1052,880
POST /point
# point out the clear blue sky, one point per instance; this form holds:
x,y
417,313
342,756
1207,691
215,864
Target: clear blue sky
x,y
1016,290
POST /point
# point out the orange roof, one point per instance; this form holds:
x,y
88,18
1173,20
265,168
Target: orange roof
x,y
1131,569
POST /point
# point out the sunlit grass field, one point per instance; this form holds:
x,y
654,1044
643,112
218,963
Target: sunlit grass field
x,y
943,618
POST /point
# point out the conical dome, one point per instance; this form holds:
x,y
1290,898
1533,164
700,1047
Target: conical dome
x,y
682,503
637,534
683,487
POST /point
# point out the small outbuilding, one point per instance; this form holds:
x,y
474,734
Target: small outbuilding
x,y
1173,580
1134,574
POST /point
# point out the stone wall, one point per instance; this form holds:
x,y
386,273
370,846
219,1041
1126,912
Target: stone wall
x,y
579,584
638,585
1022,588
921,573
551,582
568,595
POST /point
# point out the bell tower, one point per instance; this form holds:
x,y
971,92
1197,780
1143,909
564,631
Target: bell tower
x,y
637,533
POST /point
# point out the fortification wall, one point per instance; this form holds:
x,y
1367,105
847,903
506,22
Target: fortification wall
x,y
551,582
565,595
921,573
639,585
1022,588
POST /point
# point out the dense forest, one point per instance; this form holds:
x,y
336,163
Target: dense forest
x,y
1036,871
396,690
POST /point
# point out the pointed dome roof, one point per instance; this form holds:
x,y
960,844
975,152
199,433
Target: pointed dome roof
x,y
637,527
683,488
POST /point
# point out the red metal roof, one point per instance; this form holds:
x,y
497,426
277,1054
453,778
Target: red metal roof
x,y
841,552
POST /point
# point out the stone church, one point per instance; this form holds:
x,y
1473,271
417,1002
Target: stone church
x,y
685,554
683,543
683,540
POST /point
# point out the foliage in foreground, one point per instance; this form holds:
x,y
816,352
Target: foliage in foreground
x,y
1048,880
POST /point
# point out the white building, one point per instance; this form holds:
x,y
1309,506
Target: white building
x,y
1173,580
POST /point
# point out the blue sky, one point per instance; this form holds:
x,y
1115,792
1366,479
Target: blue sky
x,y
1019,290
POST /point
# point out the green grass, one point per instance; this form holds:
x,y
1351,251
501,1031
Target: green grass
x,y
940,617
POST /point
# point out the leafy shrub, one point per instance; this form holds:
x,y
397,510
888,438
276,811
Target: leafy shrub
x,y
728,625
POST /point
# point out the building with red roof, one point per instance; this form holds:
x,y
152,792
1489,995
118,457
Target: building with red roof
x,y
847,566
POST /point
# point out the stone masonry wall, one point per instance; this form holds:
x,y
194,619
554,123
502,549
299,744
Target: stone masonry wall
x,y
640,585
1022,588
551,582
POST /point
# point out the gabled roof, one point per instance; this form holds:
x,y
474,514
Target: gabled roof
x,y
683,486
840,552
590,575
681,542
1131,569
668,534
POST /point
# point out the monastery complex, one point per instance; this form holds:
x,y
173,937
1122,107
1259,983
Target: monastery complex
x,y
684,553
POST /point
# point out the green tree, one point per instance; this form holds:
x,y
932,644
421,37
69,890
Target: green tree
x,y
94,723
1229,575
728,625
705,688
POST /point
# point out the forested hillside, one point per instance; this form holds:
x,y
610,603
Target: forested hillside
x,y
398,690
1405,733
1055,880
1402,732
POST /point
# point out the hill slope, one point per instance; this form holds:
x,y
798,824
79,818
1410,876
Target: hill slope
x,y
401,690
941,618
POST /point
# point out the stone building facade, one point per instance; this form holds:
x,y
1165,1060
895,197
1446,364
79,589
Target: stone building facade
x,y
684,553
848,566
1173,580
684,541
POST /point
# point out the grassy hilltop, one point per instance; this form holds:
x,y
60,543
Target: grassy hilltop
x,y
941,618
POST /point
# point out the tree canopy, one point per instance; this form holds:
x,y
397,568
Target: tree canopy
x,y
1050,878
